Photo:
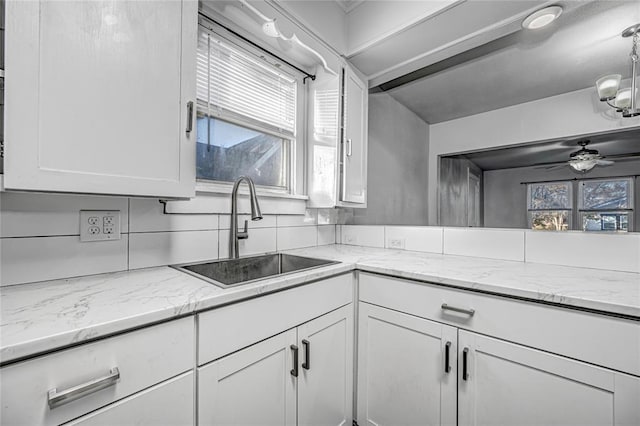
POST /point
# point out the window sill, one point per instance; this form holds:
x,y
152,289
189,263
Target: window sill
x,y
205,188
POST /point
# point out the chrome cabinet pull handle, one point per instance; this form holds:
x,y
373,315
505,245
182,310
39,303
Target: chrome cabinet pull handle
x,y
469,312
306,364
447,364
294,370
57,398
189,116
465,368
349,147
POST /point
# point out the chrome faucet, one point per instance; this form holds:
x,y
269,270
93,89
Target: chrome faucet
x,y
256,214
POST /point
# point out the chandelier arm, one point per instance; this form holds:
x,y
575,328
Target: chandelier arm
x,y
612,105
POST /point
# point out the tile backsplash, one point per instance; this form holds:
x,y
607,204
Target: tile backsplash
x,y
608,251
39,236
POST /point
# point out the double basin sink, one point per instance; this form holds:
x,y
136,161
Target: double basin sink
x,y
235,272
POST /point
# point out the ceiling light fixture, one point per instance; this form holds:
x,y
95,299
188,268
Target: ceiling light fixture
x,y
624,100
541,18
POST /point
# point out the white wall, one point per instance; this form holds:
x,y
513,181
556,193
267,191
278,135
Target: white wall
x,y
39,236
569,114
397,176
324,18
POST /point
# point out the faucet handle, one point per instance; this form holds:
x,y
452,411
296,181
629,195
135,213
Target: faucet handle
x,y
243,235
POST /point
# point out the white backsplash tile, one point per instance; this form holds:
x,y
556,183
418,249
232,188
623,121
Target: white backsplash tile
x,y
146,215
297,237
267,221
415,238
309,218
166,248
327,216
326,235
362,235
24,260
39,215
600,251
504,244
261,240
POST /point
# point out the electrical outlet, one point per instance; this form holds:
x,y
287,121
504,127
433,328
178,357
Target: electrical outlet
x,y
396,243
99,225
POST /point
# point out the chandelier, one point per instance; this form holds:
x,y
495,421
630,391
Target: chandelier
x,y
623,100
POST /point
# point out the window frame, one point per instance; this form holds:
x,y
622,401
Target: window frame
x,y
629,210
531,211
297,146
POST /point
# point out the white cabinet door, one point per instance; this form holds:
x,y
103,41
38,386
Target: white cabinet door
x,y
325,381
509,384
169,403
251,387
354,144
96,96
402,379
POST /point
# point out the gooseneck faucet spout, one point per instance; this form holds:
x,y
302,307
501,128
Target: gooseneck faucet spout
x,y
256,214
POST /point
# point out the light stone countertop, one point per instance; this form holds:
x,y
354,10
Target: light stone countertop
x,y
39,317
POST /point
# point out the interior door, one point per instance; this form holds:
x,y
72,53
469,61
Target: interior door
x,y
98,95
325,386
354,143
406,369
253,386
509,384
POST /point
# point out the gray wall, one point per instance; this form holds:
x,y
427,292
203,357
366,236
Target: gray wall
x,y
397,165
505,200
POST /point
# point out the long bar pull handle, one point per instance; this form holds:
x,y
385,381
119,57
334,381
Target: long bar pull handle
x,y
469,312
189,116
294,370
57,398
447,364
307,363
349,147
465,360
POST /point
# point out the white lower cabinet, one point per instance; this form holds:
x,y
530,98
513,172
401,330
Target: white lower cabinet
x,y
408,368
509,384
169,403
405,376
117,376
301,376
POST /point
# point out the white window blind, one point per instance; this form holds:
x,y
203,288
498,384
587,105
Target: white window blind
x,y
233,82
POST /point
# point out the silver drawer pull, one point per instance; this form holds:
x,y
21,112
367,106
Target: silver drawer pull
x,y
469,312
57,399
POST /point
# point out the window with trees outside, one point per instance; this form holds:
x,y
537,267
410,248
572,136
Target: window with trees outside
x,y
550,205
606,204
247,113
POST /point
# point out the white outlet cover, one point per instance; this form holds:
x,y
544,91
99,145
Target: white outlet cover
x,y
99,225
395,243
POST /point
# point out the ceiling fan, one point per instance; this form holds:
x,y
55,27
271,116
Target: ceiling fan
x,y
586,159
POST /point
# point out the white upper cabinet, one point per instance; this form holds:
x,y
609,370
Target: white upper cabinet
x,y
337,168
97,97
353,177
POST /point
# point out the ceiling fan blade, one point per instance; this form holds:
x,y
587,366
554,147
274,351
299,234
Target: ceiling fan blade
x,y
554,167
622,156
604,162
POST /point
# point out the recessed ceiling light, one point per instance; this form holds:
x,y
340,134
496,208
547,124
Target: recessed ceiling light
x,y
542,18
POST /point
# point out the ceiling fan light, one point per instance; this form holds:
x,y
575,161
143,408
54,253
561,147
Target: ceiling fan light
x,y
583,165
542,18
608,86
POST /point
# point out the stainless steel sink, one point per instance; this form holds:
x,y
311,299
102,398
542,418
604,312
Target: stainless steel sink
x,y
234,272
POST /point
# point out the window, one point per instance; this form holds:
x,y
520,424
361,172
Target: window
x,y
550,205
606,205
247,114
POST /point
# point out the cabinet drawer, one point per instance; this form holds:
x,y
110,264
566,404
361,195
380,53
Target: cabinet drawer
x,y
143,358
227,329
607,341
169,403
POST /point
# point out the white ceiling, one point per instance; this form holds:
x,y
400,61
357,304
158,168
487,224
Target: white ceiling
x,y
570,54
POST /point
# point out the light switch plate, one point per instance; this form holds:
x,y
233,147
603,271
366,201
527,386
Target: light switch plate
x,y
99,225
